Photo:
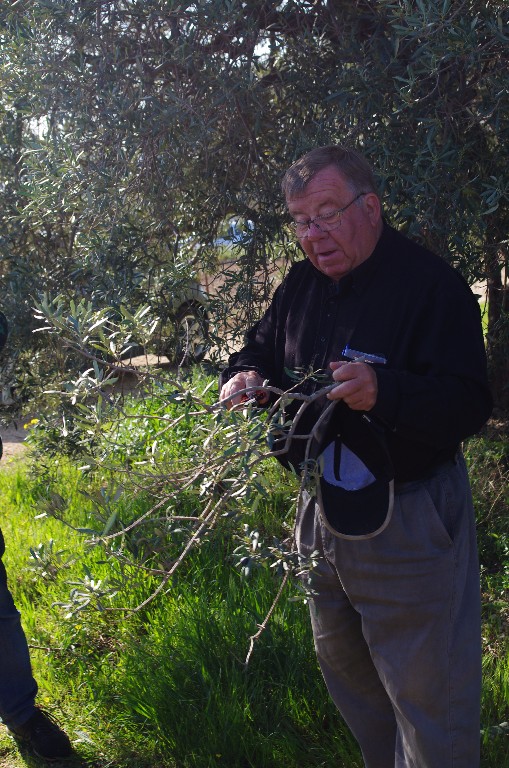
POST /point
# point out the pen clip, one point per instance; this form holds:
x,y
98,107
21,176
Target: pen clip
x,y
364,357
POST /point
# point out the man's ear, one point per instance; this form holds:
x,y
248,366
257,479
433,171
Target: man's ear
x,y
373,208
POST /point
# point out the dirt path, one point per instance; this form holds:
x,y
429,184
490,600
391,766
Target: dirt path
x,y
13,438
14,435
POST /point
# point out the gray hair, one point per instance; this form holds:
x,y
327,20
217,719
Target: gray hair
x,y
351,164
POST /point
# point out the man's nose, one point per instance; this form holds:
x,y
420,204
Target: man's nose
x,y
314,231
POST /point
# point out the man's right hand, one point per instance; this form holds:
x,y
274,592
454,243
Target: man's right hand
x,y
241,381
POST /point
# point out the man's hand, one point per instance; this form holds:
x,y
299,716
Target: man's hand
x,y
240,381
358,385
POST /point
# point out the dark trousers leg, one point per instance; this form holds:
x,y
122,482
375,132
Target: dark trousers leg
x,y
17,685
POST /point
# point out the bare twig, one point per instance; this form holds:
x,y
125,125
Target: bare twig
x,y
263,626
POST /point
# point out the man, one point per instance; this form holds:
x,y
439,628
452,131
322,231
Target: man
x,y
396,605
18,689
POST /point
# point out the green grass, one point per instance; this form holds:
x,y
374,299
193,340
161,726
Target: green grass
x,y
166,687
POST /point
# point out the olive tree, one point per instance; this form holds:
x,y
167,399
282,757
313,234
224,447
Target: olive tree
x,y
138,128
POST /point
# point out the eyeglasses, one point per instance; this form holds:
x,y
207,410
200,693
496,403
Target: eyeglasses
x,y
324,223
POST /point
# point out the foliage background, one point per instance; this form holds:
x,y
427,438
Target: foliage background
x,y
131,131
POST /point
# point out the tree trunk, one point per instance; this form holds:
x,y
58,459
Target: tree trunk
x,y
498,329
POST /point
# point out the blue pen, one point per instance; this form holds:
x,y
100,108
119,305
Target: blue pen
x,y
364,357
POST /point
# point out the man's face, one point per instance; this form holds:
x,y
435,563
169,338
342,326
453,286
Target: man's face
x,y
337,252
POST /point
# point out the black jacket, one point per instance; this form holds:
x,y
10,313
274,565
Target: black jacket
x,y
406,305
4,330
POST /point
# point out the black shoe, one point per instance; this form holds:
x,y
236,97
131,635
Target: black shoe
x,y
44,736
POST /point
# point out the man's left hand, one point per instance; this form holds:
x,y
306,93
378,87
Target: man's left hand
x,y
358,386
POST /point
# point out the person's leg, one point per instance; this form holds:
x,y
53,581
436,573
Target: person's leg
x,y
17,685
444,728
416,588
25,721
342,652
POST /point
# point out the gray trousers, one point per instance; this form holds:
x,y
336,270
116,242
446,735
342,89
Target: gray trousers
x,y
396,625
